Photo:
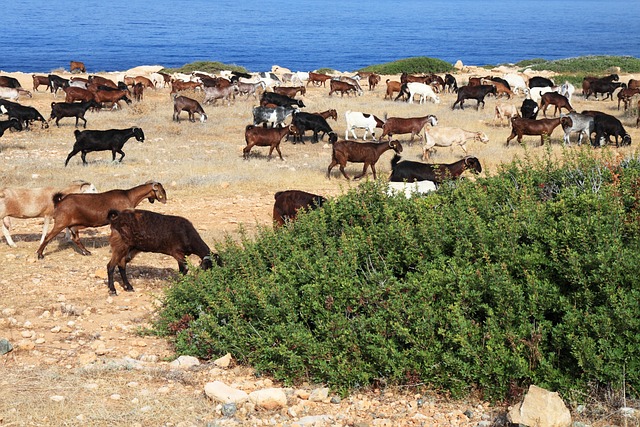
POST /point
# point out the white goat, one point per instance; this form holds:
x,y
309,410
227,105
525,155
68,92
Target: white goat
x,y
424,90
13,93
517,82
33,203
567,90
448,136
505,111
368,122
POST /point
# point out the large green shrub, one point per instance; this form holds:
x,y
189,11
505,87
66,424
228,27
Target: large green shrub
x,y
415,65
206,66
529,276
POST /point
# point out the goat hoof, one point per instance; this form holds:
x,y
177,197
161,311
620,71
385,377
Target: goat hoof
x,y
129,289
113,293
40,256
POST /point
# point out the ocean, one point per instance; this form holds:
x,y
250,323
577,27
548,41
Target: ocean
x,y
309,34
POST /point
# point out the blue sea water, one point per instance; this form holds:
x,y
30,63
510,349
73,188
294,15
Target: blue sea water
x,y
308,34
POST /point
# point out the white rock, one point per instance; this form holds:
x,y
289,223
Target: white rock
x,y
224,361
57,398
319,394
541,408
269,398
185,362
220,392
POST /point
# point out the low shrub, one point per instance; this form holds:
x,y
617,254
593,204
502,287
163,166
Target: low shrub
x,y
415,65
206,66
528,276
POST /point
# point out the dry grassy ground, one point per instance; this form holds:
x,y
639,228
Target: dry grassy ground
x,y
57,312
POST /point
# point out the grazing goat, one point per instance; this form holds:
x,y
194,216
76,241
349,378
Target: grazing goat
x,y
450,84
625,96
74,94
290,91
288,203
73,109
536,93
604,87
280,100
12,82
360,152
134,231
14,93
413,125
342,87
555,99
542,127
111,96
179,85
33,203
368,122
138,91
213,93
581,123
448,136
411,171
112,140
191,106
266,137
505,111
77,67
12,123
606,126
273,116
373,80
516,82
474,92
23,113
529,109
424,90
77,211
308,121
538,81
567,90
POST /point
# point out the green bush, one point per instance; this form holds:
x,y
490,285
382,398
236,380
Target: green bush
x,y
206,66
416,65
528,276
586,65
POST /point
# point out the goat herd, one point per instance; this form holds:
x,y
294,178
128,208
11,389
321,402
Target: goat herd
x,y
133,231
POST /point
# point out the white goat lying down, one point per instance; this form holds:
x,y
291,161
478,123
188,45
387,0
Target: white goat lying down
x,y
33,203
441,136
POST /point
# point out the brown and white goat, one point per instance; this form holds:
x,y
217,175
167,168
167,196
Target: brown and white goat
x,y
77,211
360,152
505,111
25,203
135,231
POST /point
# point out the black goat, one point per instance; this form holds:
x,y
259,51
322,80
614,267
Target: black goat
x,y
279,100
606,126
57,82
308,121
23,113
8,124
103,140
529,109
71,109
411,171
135,231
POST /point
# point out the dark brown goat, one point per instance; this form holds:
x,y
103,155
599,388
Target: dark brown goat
x,y
138,91
74,94
413,125
360,152
555,99
39,81
373,79
135,231
266,137
542,127
191,106
288,203
411,171
78,211
625,96
318,79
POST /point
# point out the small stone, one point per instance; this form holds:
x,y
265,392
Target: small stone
x,y
224,361
57,398
319,394
40,341
335,400
26,334
115,396
229,409
5,346
185,362
8,312
55,329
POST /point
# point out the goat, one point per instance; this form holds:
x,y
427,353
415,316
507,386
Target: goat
x,y
250,88
537,81
57,82
536,93
542,127
625,96
448,136
39,81
450,84
360,152
368,122
273,116
505,111
135,230
555,99
191,106
424,90
213,93
66,109
567,90
604,87
280,100
411,171
77,211
112,140
474,92
308,121
392,87
606,126
413,125
77,67
342,87
138,91
516,82
12,123
14,93
290,91
111,96
581,123
178,86
373,80
23,113
332,113
288,203
529,109
74,94
318,79
11,82
33,203
502,87
266,137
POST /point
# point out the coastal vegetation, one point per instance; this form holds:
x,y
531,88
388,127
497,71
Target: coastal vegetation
x,y
524,277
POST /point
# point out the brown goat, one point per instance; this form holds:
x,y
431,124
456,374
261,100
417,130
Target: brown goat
x,y
135,231
102,81
625,96
289,202
112,96
191,106
266,137
77,67
78,211
360,152
39,81
74,94
138,91
318,79
328,114
555,99
179,85
373,79
392,87
414,125
542,127
290,91
501,89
